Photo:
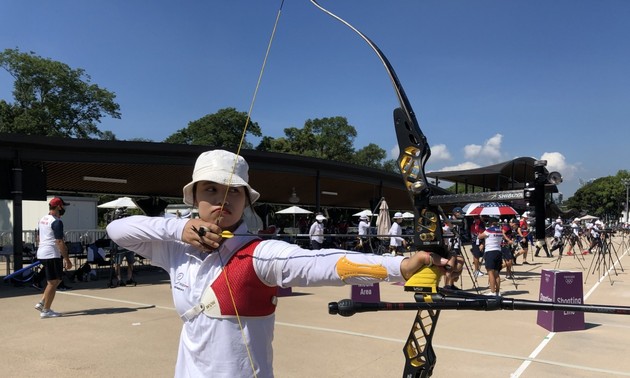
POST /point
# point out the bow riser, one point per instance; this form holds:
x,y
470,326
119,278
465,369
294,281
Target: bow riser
x,y
414,153
420,357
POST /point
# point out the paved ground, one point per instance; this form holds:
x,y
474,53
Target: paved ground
x,y
133,332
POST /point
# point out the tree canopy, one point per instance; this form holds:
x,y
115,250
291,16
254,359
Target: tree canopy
x,y
604,197
52,99
221,129
330,138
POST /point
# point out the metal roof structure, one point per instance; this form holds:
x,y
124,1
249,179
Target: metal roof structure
x,y
508,175
145,169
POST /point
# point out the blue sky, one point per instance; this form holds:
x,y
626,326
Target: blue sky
x,y
489,80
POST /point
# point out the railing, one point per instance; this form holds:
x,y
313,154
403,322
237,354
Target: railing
x,y
84,237
28,236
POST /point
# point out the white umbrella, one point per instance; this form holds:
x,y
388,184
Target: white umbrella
x,y
408,215
588,217
118,203
383,223
361,213
292,211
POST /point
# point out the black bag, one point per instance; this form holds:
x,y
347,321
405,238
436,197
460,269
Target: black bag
x,y
81,274
39,278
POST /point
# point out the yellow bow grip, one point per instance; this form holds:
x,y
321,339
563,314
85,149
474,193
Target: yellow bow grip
x,y
425,280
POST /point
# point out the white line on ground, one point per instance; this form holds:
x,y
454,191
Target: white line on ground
x,y
465,350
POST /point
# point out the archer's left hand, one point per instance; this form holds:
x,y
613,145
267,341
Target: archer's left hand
x,y
418,260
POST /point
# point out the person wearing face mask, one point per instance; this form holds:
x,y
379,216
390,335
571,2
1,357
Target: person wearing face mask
x,y
52,252
225,284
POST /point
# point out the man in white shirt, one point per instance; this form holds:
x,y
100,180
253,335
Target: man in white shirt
x,y
396,242
316,232
50,251
364,230
574,239
558,243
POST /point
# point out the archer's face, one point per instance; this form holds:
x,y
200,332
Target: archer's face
x,y
215,206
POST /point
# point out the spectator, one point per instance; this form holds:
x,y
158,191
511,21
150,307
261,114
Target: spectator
x,y
451,234
492,255
118,256
574,238
595,235
477,244
507,247
316,232
50,251
396,242
364,230
558,242
523,232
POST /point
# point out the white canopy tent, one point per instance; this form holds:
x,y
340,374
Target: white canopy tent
x,y
366,212
118,203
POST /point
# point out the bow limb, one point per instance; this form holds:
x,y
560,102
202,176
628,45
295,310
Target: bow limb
x,y
414,151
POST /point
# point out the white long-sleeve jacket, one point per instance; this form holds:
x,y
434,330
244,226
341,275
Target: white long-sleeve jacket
x,y
212,345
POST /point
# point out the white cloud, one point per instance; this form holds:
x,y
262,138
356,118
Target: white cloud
x,y
557,162
489,151
471,151
394,151
440,152
462,166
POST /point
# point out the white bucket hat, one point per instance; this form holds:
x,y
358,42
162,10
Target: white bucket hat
x,y
398,215
320,217
222,167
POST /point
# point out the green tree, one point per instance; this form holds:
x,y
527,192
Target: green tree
x,y
370,156
391,165
221,129
108,135
52,99
326,138
604,197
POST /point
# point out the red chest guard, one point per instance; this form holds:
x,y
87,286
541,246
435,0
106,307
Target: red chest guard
x,y
252,297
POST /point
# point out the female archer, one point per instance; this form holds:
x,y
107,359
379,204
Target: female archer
x,y
224,280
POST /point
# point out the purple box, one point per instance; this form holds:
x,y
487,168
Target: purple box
x,y
284,291
559,286
366,293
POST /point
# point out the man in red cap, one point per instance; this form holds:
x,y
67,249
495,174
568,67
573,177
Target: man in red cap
x,y
50,251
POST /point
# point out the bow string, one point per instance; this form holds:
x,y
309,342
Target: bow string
x,y
228,234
